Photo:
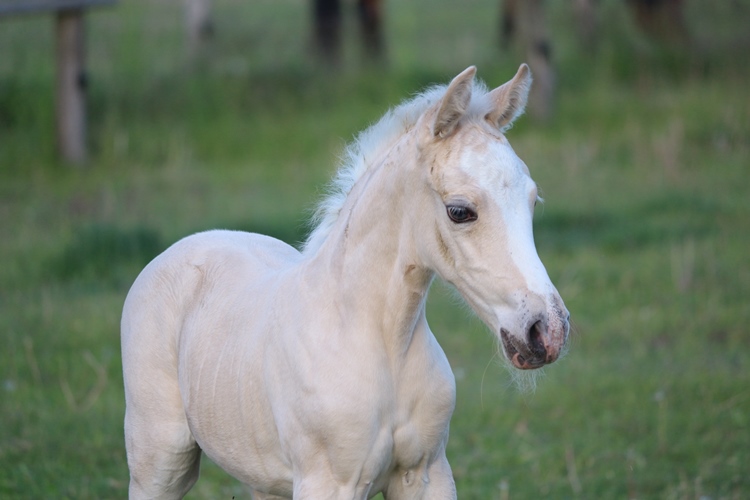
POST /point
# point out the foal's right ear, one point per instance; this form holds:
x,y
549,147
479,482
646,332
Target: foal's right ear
x,y
454,103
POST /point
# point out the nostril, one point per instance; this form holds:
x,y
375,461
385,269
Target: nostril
x,y
536,344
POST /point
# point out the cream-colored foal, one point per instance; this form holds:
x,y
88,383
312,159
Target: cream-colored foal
x,y
314,374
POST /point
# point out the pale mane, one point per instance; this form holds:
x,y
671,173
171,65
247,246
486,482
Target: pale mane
x,y
370,144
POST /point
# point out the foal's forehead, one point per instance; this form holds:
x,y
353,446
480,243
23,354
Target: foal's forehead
x,y
492,160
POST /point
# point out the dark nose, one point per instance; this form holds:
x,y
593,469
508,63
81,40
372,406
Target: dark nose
x,y
536,340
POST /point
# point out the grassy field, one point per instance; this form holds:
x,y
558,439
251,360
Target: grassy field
x,y
645,231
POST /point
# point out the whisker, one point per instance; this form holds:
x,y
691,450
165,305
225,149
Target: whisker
x,y
481,384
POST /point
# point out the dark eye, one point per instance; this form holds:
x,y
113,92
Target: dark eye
x,y
460,214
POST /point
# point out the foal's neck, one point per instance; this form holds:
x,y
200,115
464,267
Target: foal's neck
x,y
371,256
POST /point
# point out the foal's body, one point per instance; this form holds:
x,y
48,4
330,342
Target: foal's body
x,y
344,382
315,374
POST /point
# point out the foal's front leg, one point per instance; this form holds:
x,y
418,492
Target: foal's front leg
x,y
324,480
434,482
441,485
264,496
317,488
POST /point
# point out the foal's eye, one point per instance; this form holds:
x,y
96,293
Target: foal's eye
x,y
461,214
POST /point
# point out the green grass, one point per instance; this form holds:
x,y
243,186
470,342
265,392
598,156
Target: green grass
x,y
645,231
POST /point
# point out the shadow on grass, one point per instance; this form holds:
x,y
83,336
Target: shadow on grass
x,y
105,254
108,254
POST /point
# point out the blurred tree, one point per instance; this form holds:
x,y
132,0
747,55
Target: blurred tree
x,y
524,22
662,20
587,25
199,24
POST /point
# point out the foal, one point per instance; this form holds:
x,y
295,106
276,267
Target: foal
x,y
314,374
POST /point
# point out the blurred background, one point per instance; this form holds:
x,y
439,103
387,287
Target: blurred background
x,y
233,115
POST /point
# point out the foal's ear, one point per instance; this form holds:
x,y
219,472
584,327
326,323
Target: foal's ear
x,y
509,100
454,103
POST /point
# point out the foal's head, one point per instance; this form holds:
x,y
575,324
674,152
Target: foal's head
x,y
477,233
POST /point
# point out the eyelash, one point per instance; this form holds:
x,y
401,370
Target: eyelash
x,y
461,214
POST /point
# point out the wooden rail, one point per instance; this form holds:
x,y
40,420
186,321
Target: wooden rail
x,y
70,86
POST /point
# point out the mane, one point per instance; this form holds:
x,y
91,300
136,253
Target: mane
x,y
368,145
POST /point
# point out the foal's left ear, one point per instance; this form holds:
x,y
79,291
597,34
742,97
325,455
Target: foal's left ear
x,y
454,103
509,100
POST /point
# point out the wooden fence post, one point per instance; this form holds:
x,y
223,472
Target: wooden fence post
x,y
71,85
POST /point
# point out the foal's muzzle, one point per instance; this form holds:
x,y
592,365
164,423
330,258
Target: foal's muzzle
x,y
541,345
